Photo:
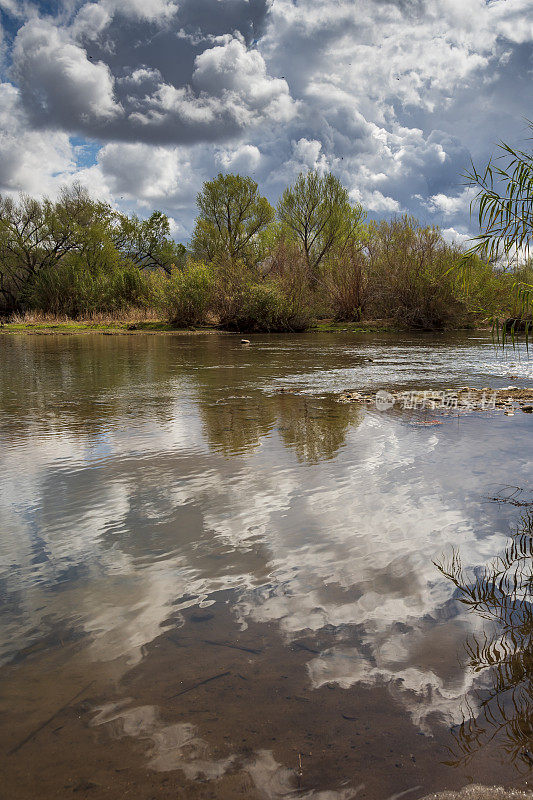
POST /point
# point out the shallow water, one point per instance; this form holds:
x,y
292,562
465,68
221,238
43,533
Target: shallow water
x,y
214,588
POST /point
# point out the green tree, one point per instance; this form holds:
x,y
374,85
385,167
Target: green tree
x,y
72,254
148,242
318,212
232,216
35,235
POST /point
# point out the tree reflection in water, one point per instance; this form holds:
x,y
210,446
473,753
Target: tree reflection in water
x,y
502,594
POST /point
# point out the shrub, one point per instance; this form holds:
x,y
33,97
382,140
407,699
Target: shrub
x,y
412,275
245,301
345,280
265,307
72,290
185,297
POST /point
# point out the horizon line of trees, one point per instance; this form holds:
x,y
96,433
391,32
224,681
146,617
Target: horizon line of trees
x,y
249,265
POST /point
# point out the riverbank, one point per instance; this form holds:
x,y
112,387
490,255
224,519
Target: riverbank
x,y
159,326
127,327
105,328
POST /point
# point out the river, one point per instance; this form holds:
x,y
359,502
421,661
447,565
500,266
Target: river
x,y
217,581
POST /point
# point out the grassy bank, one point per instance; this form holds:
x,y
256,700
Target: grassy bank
x,y
35,324
89,326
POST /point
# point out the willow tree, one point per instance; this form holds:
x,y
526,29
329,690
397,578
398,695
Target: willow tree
x,y
504,202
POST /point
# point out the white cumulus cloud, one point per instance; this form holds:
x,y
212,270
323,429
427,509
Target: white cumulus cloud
x,y
58,79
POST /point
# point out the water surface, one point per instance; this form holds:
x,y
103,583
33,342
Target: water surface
x,y
217,581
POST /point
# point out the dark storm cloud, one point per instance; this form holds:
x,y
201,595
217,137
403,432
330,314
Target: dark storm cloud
x,y
171,46
212,17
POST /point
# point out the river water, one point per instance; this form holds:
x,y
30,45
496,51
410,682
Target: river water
x,y
217,581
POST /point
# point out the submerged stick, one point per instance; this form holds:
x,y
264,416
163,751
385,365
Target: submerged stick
x,y
40,727
233,646
200,683
302,646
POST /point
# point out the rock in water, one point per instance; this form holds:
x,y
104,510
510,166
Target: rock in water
x,y
477,792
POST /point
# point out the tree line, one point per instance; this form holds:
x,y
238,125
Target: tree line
x,y
249,266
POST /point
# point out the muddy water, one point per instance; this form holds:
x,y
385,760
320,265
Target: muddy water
x,y
212,588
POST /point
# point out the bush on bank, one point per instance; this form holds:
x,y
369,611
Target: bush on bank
x,y
185,296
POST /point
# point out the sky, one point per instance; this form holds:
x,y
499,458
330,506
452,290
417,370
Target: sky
x,y
144,100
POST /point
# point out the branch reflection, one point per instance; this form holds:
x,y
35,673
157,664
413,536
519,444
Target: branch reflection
x,y
502,655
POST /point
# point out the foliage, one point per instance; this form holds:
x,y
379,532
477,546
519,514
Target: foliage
x,y
147,242
75,291
317,211
35,236
76,255
186,295
246,302
412,280
232,215
345,277
265,307
504,200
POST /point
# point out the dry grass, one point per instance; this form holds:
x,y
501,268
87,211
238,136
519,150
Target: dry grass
x,y
101,318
